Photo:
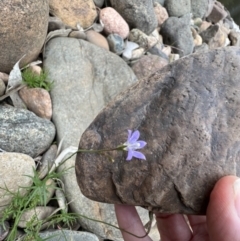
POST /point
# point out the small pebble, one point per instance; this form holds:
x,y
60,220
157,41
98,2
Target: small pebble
x,y
127,53
143,40
97,39
2,87
137,53
116,43
173,57
47,161
161,13
4,77
35,69
61,199
78,34
113,22
197,22
198,40
38,101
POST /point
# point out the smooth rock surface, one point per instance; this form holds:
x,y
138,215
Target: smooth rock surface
x,y
2,87
40,213
177,8
61,235
201,8
113,22
97,39
38,101
116,43
138,14
74,12
161,13
23,30
218,13
14,169
189,115
176,32
24,132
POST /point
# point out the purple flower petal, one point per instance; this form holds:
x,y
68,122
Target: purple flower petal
x,y
138,155
130,155
134,137
142,144
133,144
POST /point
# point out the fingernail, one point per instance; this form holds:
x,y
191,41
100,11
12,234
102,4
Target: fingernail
x,y
236,188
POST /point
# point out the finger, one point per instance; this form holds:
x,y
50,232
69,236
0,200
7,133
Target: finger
x,y
173,227
199,227
129,220
223,213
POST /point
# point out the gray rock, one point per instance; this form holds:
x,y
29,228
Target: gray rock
x,y
144,41
138,14
47,161
24,132
189,115
63,235
160,2
14,171
23,31
40,213
116,43
201,8
4,230
177,8
176,32
201,48
99,3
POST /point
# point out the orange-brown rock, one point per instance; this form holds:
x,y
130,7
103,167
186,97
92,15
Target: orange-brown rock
x,y
74,12
37,100
23,31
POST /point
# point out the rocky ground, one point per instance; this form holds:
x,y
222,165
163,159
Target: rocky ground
x,y
93,51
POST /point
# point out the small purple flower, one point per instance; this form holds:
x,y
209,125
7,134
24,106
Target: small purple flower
x,y
133,144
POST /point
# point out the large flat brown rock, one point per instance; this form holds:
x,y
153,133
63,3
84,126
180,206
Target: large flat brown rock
x,y
189,115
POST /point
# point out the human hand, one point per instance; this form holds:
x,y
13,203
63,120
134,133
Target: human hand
x,y
222,222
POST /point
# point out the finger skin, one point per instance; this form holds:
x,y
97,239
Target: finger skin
x,y
223,221
173,227
128,219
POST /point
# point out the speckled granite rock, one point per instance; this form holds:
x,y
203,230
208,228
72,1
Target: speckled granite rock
x,y
24,132
189,115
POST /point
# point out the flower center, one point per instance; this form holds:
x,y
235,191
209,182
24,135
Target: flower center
x,y
133,146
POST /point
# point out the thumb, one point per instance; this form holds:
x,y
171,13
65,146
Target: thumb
x,y
223,212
